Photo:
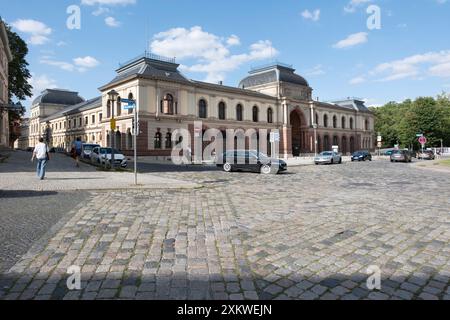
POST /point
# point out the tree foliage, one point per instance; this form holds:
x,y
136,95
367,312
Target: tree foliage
x,y
399,123
19,87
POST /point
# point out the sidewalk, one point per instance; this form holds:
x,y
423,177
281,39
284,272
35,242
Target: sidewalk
x,y
18,173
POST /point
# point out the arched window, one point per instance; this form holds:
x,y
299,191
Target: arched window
x,y
118,140
169,140
168,104
326,143
130,97
239,112
335,141
157,140
317,119
270,115
366,125
222,111
343,123
255,114
119,106
334,122
108,110
325,121
202,109
129,139
351,123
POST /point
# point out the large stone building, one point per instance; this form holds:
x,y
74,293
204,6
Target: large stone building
x,y
273,97
5,58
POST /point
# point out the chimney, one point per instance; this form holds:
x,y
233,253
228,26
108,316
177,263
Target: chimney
x,y
220,82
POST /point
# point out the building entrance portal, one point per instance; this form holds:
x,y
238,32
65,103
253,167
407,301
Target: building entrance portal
x,y
299,133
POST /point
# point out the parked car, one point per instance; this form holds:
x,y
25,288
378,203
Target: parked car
x,y
87,150
361,156
104,155
401,156
253,161
328,157
426,155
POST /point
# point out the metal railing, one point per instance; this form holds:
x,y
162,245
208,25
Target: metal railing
x,y
149,55
271,64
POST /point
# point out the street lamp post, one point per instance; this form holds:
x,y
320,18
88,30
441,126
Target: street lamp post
x,y
112,96
315,138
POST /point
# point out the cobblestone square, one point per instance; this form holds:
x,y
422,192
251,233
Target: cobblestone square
x,y
311,233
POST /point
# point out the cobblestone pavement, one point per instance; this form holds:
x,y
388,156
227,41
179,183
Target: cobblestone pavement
x,y
27,216
308,234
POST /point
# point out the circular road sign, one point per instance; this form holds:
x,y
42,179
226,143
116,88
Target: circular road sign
x,y
423,140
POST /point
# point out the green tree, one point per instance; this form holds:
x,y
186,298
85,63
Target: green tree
x,y
19,87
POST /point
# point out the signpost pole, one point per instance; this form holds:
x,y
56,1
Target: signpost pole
x,y
136,132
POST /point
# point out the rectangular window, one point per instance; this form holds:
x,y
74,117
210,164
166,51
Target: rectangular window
x,y
93,119
100,116
86,121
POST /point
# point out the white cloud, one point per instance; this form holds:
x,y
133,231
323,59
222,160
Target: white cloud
x,y
233,40
419,66
86,62
210,53
37,30
100,11
316,71
108,2
353,5
308,15
80,64
112,22
357,80
39,84
352,40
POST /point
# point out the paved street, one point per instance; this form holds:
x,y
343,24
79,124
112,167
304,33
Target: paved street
x,y
17,173
308,234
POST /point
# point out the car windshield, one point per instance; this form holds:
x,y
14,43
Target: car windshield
x,y
326,154
263,156
108,151
397,152
89,147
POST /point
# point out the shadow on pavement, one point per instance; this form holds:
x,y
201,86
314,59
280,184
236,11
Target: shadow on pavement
x,y
25,194
134,286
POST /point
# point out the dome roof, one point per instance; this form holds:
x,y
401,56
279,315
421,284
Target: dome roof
x,y
273,73
58,96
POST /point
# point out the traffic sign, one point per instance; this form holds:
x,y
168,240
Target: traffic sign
x,y
419,135
131,104
423,141
113,124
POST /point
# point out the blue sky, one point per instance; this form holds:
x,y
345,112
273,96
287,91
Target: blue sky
x,y
328,42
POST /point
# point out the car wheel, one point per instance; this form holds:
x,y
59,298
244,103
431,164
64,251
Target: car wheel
x,y
332,161
227,167
266,169
340,161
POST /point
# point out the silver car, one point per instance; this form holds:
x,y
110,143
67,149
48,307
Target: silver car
x,y
328,157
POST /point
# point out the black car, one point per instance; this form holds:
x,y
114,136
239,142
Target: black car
x,y
252,161
361,156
